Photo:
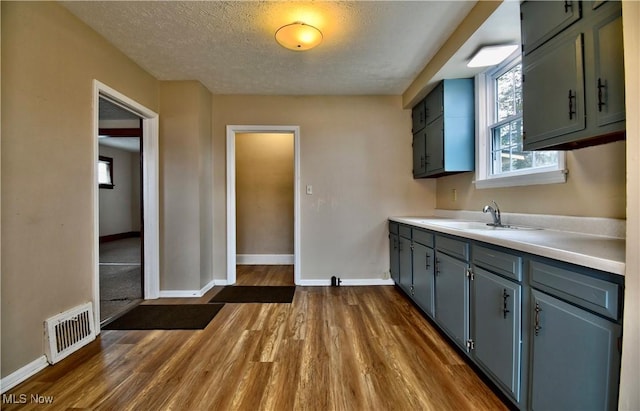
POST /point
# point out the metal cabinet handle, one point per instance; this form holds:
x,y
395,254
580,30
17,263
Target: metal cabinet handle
x,y
572,110
538,327
427,263
601,86
505,310
568,5
421,161
437,267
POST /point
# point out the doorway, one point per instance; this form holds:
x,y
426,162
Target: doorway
x,y
237,132
121,231
143,165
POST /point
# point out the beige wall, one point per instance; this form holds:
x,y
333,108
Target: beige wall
x,y
120,206
49,61
264,193
356,152
595,187
630,373
185,190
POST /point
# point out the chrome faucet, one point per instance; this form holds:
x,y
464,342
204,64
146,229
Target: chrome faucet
x,y
495,213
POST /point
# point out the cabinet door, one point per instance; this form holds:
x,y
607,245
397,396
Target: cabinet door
x,y
394,258
575,359
418,117
419,154
452,297
542,20
435,146
406,279
609,70
553,91
435,103
423,261
496,327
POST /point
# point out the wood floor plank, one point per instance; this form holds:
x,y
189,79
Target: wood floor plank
x,y
332,348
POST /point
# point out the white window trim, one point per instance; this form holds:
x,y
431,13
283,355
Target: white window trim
x,y
484,178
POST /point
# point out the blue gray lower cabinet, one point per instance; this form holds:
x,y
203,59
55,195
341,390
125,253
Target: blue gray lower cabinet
x,y
547,333
496,328
394,257
575,361
406,267
423,282
452,297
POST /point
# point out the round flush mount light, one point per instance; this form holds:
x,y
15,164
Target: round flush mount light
x,y
298,36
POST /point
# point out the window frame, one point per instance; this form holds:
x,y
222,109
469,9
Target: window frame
x,y
485,121
109,161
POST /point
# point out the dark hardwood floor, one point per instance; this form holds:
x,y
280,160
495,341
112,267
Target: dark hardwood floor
x,y
341,348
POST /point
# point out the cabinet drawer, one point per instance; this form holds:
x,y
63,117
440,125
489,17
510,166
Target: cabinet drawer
x,y
405,231
499,262
393,227
454,248
591,293
423,237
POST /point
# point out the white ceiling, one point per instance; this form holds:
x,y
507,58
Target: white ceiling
x,y
369,47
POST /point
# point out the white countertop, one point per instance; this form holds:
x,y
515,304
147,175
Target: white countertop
x,y
593,251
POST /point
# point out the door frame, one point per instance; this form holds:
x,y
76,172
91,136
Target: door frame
x,y
150,193
232,130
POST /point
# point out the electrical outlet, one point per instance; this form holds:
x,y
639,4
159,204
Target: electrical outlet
x,y
309,189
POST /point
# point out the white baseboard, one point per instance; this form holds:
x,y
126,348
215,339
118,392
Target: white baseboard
x,y
264,259
189,293
23,373
347,282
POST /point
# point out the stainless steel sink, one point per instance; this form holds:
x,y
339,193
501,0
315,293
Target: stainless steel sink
x,y
476,225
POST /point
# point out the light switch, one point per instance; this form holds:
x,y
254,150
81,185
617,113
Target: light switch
x,y
309,189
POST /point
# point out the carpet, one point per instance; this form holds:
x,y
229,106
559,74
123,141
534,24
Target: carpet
x,y
254,294
166,317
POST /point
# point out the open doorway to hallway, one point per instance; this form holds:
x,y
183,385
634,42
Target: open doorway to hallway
x,y
265,175
263,201
121,230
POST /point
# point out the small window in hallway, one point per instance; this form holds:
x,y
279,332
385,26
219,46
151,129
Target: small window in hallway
x,y
105,172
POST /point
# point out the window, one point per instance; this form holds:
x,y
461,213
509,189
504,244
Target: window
x,y
105,172
502,161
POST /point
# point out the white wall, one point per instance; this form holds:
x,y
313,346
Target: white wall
x,y
120,206
264,193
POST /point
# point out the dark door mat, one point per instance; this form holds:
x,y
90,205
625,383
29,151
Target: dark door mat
x,y
255,294
166,317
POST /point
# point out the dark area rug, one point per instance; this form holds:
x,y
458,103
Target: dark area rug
x,y
166,317
254,294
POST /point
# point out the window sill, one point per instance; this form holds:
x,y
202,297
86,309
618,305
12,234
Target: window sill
x,y
547,177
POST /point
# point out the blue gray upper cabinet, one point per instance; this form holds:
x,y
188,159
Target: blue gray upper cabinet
x,y
445,145
573,74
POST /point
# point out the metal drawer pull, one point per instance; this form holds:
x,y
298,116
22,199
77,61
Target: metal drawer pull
x,y
538,327
572,110
601,86
427,264
568,5
505,310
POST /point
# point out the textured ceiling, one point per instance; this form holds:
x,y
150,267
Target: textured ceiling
x,y
369,47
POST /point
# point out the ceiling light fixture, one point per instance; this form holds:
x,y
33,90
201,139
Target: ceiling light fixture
x,y
298,36
491,55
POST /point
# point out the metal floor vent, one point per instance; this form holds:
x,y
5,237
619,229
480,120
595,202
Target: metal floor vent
x,y
68,331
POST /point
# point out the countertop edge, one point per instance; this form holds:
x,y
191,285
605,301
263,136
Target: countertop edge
x,y
601,263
